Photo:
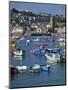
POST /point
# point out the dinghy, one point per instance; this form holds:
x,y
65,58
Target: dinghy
x,y
45,67
21,68
34,68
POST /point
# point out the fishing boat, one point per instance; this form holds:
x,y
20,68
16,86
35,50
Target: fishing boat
x,y
21,68
35,68
36,40
45,67
18,52
53,50
12,44
14,37
52,58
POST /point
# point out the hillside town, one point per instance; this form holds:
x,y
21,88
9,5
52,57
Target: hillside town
x,y
27,23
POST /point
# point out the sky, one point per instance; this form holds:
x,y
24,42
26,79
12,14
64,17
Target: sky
x,y
39,8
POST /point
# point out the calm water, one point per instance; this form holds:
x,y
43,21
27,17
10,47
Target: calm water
x,y
56,75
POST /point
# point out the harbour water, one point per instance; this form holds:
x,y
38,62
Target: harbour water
x,y
56,75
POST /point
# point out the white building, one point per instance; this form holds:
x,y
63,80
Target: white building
x,y
17,30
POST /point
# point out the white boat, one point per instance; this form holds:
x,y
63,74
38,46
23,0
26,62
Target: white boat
x,y
52,59
36,40
35,68
45,67
22,38
18,52
27,42
61,40
21,68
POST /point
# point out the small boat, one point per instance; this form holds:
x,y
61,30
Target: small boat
x,y
35,68
36,40
45,67
27,42
53,59
61,40
18,52
21,68
22,38
12,44
14,37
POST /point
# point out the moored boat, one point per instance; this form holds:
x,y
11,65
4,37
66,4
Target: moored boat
x,y
18,52
53,58
35,68
14,38
36,40
45,67
12,44
22,68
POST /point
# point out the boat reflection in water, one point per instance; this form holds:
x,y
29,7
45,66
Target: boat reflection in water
x,y
17,57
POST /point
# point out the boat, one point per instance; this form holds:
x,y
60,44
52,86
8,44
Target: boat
x,y
12,44
35,68
61,40
53,50
14,37
53,58
38,51
18,52
36,40
21,68
45,67
27,42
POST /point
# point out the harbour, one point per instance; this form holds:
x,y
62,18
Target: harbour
x,y
56,72
37,45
